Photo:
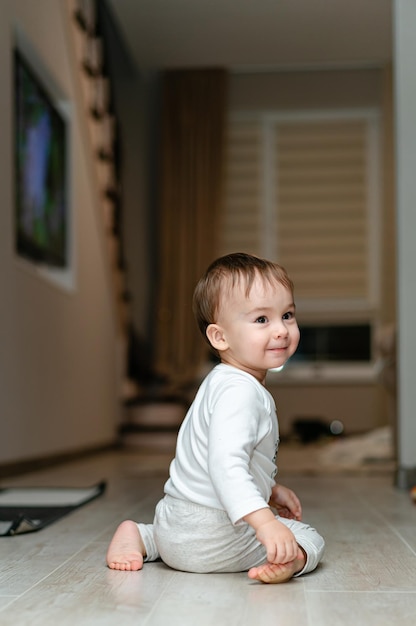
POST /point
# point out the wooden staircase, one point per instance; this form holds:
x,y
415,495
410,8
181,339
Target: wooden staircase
x,y
101,128
147,424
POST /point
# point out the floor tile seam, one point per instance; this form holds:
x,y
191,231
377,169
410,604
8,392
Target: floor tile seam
x,y
388,524
52,572
309,618
362,591
378,514
92,540
148,619
13,599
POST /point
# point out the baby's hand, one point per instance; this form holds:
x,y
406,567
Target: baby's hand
x,y
279,541
286,502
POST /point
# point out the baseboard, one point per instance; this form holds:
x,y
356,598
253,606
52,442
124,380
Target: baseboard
x,y
405,477
25,466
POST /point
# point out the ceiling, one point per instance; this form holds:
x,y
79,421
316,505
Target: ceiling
x,y
256,35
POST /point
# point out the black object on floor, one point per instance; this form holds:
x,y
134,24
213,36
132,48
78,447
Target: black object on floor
x,y
310,429
27,509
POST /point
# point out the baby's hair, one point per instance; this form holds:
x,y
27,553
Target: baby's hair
x,y
226,272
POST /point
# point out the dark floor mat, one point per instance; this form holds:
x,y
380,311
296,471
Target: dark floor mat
x,y
27,509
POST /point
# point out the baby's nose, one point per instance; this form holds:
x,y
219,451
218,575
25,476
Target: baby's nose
x,y
280,330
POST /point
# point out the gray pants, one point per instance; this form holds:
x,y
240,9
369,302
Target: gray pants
x,y
193,538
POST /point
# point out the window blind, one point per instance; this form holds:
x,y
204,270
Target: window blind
x,y
241,218
300,191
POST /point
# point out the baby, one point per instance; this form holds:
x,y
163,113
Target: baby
x,y
216,514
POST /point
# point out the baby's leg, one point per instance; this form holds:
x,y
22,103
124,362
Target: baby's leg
x,y
273,573
126,550
311,549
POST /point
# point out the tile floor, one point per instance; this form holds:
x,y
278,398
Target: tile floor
x,y
58,575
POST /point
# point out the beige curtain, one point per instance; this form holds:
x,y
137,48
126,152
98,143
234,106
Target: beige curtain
x,y
193,136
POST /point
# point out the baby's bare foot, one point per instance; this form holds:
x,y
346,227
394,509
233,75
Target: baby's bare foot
x,y
273,573
126,549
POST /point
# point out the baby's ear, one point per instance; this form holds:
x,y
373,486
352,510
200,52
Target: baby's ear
x,y
216,337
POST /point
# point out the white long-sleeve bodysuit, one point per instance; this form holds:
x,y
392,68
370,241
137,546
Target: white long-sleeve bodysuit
x,y
224,468
227,445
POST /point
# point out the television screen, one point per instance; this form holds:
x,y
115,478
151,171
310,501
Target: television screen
x,y
339,342
40,171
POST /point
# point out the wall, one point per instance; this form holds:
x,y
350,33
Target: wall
x,y
306,89
405,104
361,404
58,348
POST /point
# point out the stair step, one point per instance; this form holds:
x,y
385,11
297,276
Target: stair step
x,y
155,415
156,442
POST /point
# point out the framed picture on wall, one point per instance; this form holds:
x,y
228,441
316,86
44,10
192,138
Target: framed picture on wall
x,y
40,170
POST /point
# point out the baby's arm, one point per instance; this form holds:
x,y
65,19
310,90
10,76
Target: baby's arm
x,y
279,541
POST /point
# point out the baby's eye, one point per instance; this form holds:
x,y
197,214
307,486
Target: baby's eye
x,y
288,316
261,320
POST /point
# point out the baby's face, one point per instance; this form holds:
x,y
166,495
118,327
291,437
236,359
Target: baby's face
x,y
260,330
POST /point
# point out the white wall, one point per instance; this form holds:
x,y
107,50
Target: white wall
x,y
359,402
58,379
405,101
